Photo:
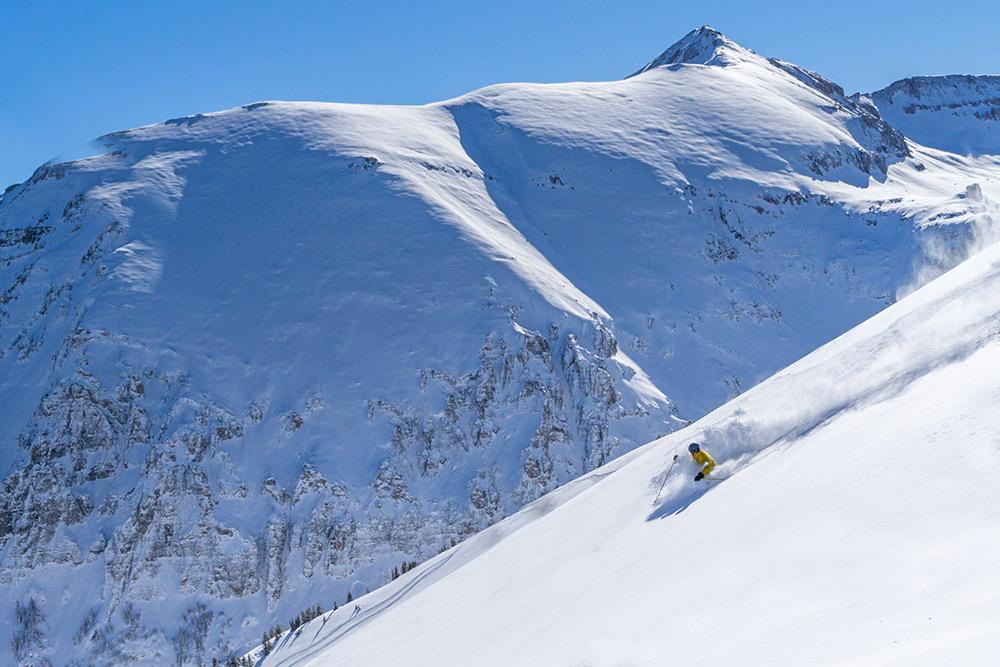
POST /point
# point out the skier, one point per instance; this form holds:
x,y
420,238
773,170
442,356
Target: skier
x,y
702,458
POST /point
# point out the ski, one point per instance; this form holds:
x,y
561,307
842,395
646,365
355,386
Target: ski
x,y
715,479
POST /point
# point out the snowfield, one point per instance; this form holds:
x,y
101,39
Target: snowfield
x,y
860,525
252,361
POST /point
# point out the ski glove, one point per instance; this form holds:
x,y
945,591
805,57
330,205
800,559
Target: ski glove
x,y
699,477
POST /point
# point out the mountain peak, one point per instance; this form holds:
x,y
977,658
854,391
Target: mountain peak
x,y
702,46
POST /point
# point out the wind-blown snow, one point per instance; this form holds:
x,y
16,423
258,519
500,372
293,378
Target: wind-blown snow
x,y
861,525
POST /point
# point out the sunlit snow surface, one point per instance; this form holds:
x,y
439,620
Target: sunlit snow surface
x,y
861,526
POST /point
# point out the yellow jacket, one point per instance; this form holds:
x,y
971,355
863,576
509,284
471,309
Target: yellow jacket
x,y
705,459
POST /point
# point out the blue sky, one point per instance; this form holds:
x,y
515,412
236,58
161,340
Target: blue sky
x,y
72,71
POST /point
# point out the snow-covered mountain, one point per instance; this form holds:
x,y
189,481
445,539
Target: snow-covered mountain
x,y
960,114
253,360
857,521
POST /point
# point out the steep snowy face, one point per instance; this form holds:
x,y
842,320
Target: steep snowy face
x,y
841,526
755,190
252,360
960,114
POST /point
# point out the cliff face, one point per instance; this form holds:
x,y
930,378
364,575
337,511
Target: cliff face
x,y
253,361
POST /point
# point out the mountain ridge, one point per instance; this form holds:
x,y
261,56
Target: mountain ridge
x,y
958,113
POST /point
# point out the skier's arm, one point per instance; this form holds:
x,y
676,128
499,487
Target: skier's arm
x,y
709,465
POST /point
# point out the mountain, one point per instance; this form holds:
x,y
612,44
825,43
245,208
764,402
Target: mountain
x,y
704,46
960,114
856,522
254,360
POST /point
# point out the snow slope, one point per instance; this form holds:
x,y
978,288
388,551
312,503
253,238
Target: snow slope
x,y
252,360
861,525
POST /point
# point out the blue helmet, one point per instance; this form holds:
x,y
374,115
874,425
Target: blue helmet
x,y
693,447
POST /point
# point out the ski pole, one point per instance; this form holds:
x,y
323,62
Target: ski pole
x,y
664,482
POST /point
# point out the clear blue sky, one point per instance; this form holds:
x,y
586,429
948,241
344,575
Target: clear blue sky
x,y
72,71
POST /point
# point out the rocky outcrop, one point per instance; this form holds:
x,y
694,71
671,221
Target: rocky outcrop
x,y
114,478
